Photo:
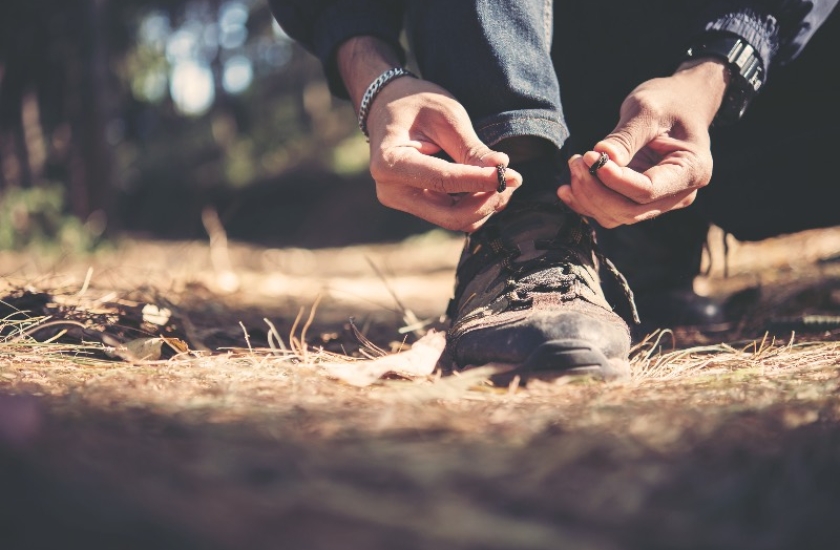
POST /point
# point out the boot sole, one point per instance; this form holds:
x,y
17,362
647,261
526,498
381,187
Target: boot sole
x,y
557,358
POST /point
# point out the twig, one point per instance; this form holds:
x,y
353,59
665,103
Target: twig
x,y
247,337
409,318
86,284
274,335
32,330
293,341
219,253
364,339
308,324
387,286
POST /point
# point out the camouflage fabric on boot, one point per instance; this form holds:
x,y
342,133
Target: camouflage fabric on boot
x,y
528,297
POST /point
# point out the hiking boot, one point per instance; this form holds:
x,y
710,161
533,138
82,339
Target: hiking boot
x,y
528,297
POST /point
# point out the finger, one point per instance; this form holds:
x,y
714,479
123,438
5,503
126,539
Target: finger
x,y
664,205
633,214
633,132
645,212
564,192
598,201
408,167
457,137
465,213
637,186
588,196
480,203
676,172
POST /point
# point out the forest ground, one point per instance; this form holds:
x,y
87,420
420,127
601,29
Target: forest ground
x,y
182,395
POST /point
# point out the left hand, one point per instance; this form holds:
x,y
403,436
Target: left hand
x,y
659,152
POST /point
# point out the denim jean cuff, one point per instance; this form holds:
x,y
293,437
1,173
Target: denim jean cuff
x,y
541,123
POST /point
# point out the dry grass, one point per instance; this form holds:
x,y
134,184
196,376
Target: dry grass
x,y
726,440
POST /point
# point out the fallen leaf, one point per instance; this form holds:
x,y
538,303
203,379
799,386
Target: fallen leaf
x,y
420,360
176,344
142,349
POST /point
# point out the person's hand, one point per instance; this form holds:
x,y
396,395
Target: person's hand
x,y
409,122
659,153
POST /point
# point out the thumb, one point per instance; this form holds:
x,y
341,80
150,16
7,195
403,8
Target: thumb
x,y
472,151
631,134
462,144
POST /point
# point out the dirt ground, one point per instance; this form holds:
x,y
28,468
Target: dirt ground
x,y
232,433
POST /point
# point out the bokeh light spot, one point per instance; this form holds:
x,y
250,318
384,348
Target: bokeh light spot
x,y
192,87
237,75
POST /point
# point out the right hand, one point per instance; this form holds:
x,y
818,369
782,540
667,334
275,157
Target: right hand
x,y
660,151
410,121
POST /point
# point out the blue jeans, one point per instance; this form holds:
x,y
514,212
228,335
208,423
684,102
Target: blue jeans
x,y
510,62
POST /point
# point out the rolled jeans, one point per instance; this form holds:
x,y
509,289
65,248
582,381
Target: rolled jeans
x,y
560,71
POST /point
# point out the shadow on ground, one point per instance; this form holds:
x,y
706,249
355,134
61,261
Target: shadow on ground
x,y
89,478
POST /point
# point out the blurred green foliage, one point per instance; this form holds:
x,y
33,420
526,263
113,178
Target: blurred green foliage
x,y
144,109
37,217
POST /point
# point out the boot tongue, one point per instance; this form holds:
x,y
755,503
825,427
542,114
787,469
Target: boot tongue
x,y
536,225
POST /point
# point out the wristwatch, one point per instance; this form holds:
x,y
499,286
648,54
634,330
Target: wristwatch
x,y
746,72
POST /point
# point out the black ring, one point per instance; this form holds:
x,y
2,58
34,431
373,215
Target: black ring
x,y
602,160
500,172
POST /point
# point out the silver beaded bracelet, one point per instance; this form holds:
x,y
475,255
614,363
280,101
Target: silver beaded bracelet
x,y
374,88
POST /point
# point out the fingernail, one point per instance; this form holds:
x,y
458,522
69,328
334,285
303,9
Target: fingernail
x,y
564,193
514,178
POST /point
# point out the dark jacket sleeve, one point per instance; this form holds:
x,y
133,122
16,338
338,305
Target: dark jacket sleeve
x,y
321,26
777,29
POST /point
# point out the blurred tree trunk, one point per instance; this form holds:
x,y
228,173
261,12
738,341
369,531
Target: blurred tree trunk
x,y
90,105
54,75
13,153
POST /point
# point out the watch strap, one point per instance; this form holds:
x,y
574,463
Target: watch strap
x,y
745,67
